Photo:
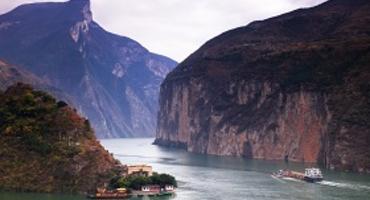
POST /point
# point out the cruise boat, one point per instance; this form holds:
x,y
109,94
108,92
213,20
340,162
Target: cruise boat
x,y
311,175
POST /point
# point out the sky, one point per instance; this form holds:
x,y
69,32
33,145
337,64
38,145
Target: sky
x,y
177,28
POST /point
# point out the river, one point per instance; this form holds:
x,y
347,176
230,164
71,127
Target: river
x,y
212,177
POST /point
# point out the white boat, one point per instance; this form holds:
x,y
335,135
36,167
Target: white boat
x,y
311,175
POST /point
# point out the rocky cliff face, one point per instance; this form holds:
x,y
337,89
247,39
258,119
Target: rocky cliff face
x,y
47,147
113,80
291,87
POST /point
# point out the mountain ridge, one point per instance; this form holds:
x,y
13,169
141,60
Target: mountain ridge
x,y
277,89
113,80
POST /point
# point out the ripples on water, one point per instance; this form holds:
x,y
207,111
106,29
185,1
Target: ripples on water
x,y
202,177
212,177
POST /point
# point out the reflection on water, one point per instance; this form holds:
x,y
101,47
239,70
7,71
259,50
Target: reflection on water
x,y
155,198
33,196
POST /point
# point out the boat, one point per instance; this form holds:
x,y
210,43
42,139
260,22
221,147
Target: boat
x,y
310,175
119,193
313,175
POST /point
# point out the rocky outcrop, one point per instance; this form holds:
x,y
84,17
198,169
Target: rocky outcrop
x,y
292,87
111,79
47,147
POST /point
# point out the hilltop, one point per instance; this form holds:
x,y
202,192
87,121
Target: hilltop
x,y
47,147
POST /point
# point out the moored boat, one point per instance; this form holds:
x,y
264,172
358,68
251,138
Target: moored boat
x,y
119,193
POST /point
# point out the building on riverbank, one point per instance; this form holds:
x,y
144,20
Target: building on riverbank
x,y
169,188
151,188
138,170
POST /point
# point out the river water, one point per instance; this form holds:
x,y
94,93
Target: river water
x,y
212,177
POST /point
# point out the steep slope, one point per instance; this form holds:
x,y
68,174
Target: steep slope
x,y
113,80
47,147
292,87
10,75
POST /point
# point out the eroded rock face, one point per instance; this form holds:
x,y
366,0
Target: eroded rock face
x,y
292,87
262,122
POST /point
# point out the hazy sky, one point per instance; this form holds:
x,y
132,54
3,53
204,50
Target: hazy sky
x,y
176,28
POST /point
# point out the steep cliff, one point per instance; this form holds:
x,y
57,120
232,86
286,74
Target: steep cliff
x,y
292,87
112,80
47,147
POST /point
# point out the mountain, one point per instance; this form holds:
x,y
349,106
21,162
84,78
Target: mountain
x,y
10,75
47,147
293,87
112,80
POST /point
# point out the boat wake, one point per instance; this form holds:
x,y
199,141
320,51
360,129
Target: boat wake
x,y
284,179
278,179
345,185
352,186
292,179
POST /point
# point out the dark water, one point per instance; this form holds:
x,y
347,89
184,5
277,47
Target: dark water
x,y
212,177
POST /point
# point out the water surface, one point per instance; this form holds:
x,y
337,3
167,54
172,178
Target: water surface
x,y
212,177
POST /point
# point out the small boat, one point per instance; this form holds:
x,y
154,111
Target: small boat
x,y
311,175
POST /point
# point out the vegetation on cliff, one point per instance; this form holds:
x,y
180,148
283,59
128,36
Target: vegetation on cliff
x,y
45,146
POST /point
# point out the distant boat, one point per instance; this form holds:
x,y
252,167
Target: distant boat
x,y
311,175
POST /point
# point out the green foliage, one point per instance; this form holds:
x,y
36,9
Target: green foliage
x,y
46,146
136,182
164,179
114,182
35,119
36,143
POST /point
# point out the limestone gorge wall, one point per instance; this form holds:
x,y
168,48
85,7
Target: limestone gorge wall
x,y
291,87
260,122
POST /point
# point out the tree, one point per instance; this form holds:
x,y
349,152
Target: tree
x,y
166,179
61,104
